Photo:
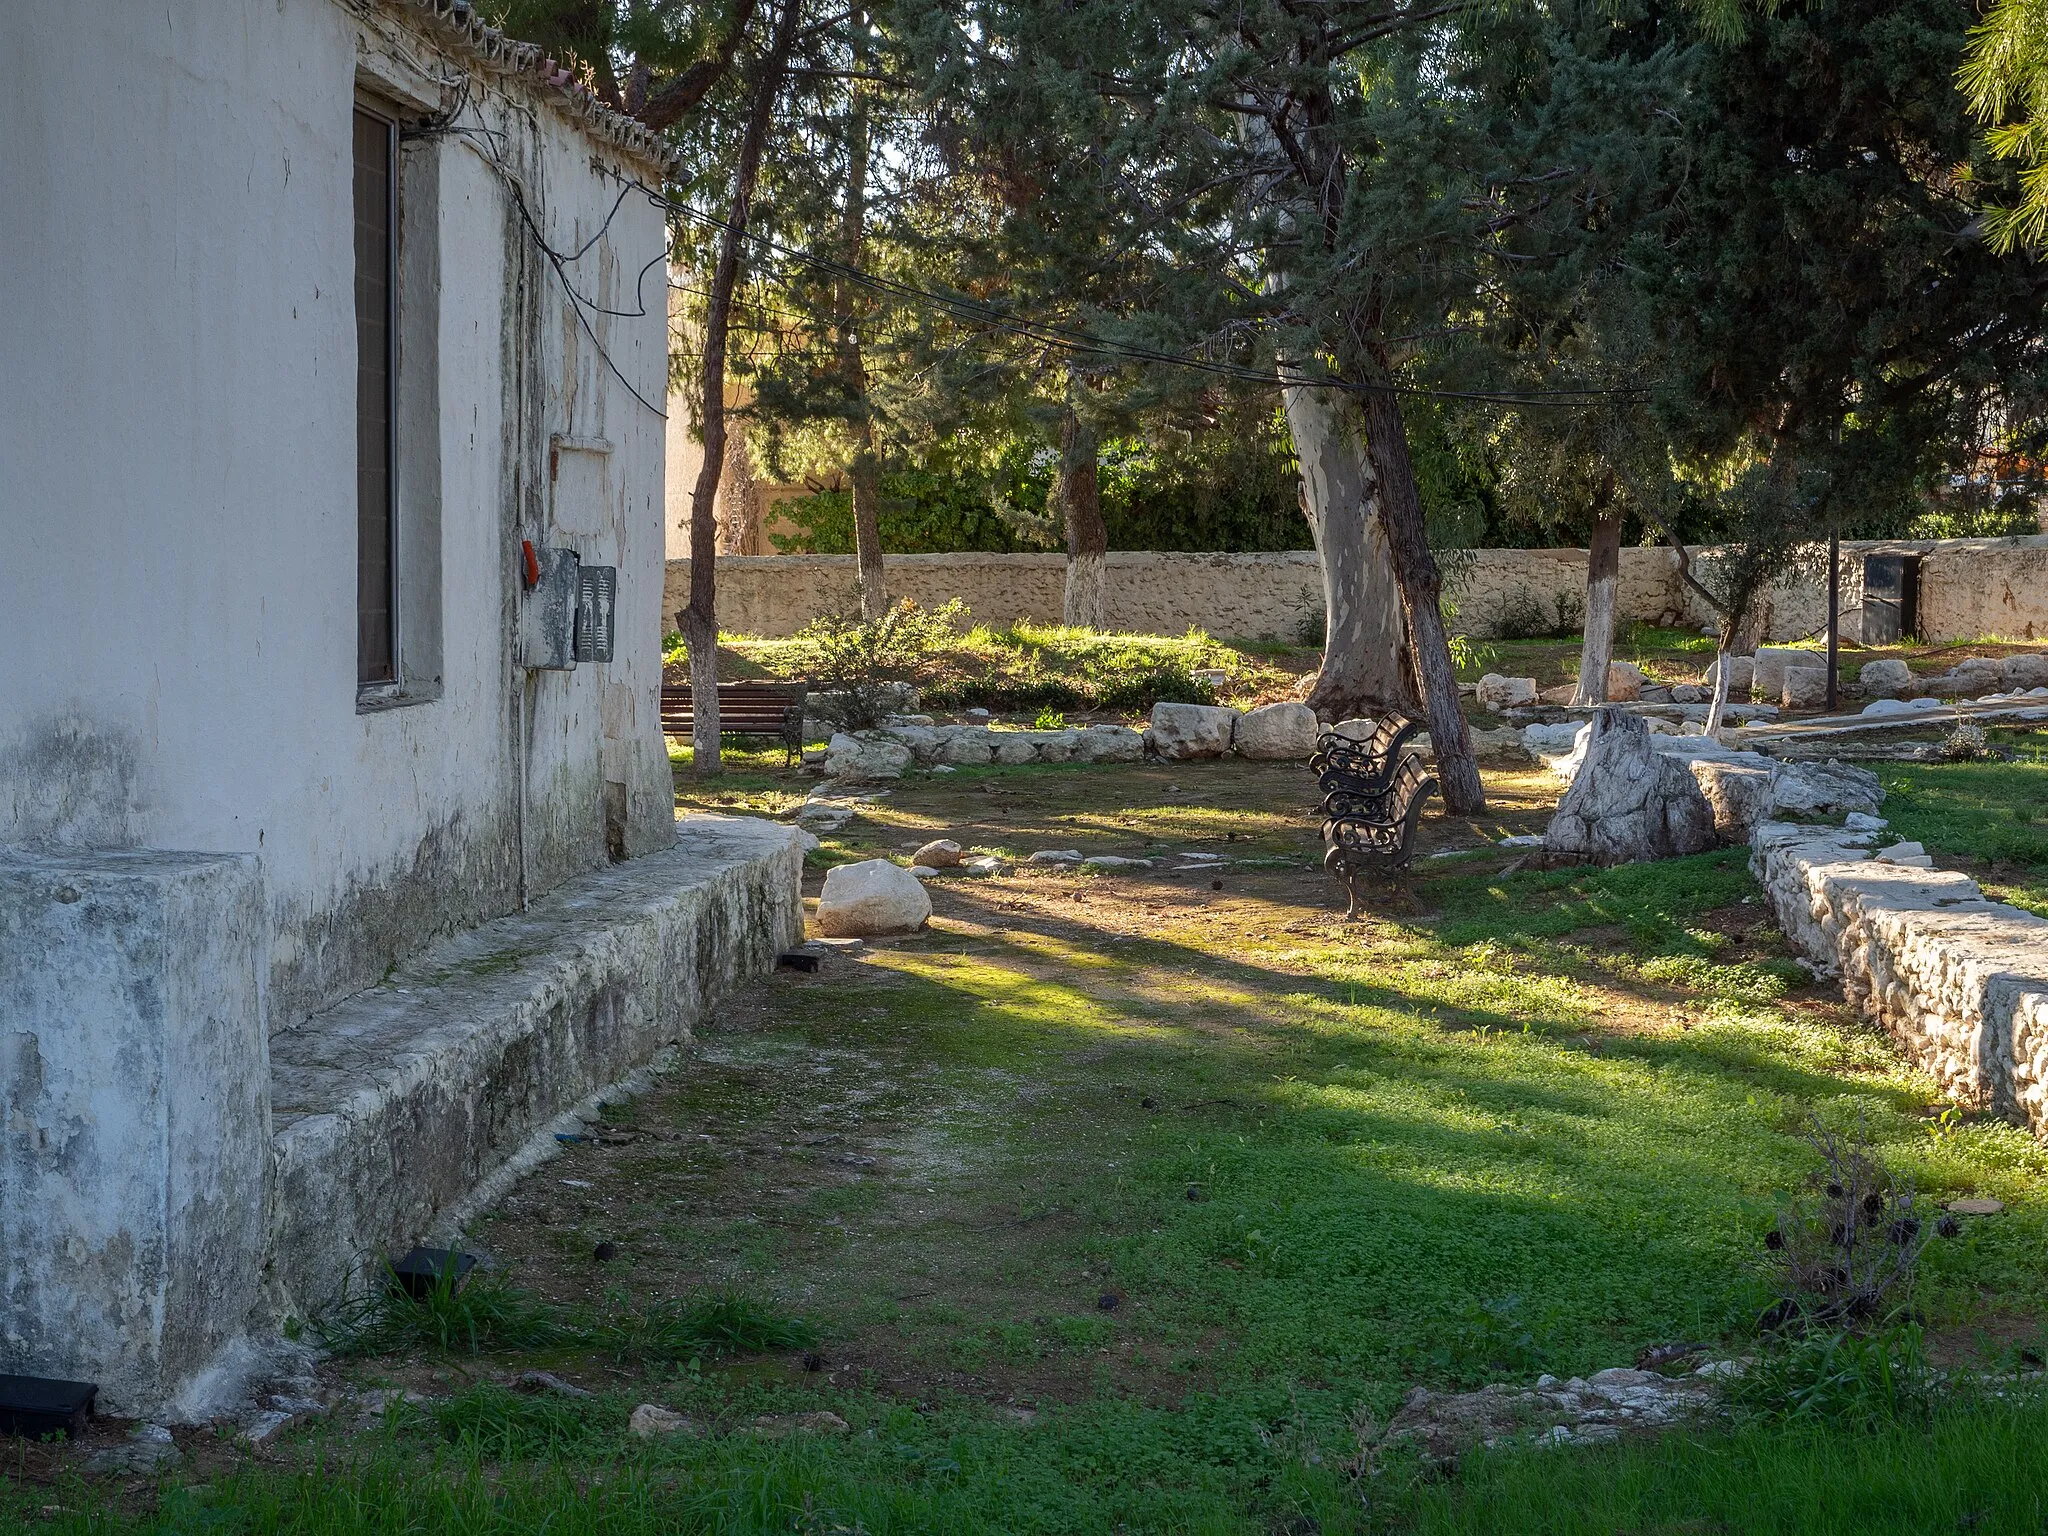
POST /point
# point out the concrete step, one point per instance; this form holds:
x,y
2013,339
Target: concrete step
x,y
399,1111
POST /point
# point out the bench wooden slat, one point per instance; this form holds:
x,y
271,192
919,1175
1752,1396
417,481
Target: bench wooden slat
x,y
744,709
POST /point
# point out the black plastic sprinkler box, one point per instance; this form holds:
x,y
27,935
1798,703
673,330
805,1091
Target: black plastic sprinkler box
x,y
36,1406
420,1271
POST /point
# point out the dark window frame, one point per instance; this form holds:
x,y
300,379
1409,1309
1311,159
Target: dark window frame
x,y
377,613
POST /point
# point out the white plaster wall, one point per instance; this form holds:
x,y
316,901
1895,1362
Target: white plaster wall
x,y
177,378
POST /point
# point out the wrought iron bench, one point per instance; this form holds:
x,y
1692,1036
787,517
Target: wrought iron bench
x,y
1375,834
744,709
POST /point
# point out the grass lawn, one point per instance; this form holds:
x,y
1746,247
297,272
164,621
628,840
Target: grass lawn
x,y
1988,818
1127,1203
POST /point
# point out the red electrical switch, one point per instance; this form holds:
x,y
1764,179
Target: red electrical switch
x,y
532,563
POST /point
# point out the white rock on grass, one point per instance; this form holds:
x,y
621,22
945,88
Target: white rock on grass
x,y
1183,731
1804,688
1055,856
1767,681
1112,861
940,853
1740,794
2025,672
1497,693
1882,709
1829,788
1277,733
1885,677
871,897
1558,736
987,864
1741,678
865,757
650,1421
1629,802
1858,821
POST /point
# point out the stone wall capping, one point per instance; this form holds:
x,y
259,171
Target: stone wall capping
x,y
1959,981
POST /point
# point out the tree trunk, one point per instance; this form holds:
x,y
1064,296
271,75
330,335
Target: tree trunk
x,y
1364,639
1723,654
1080,501
1603,572
700,618
739,529
865,471
1386,441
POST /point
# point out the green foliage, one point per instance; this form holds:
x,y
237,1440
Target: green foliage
x,y
2005,79
866,662
1032,668
1049,720
1987,810
486,1313
1846,1380
705,1327
1185,491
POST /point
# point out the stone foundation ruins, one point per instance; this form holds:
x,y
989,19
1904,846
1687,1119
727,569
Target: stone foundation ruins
x,y
1958,980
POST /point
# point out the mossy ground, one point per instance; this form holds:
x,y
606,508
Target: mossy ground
x,y
1120,1202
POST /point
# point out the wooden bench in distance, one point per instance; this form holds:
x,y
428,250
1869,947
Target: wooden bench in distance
x,y
744,709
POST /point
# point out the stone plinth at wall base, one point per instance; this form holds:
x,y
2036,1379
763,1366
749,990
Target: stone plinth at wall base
x,y
395,1109
134,1129
1959,981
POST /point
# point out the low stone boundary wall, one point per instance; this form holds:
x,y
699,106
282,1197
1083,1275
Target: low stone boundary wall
x,y
1250,597
1959,981
1968,587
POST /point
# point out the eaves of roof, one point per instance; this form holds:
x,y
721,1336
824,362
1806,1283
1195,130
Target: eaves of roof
x,y
455,26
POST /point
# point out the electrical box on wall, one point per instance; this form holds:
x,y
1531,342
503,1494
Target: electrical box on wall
x,y
597,595
548,600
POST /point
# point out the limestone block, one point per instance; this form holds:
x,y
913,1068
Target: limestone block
x,y
1961,983
1690,693
1740,794
1051,746
1497,693
1628,801
1885,677
1013,746
922,740
1952,685
871,897
1278,732
1831,788
967,746
1805,688
1358,728
940,853
868,755
1767,680
2029,671
1108,744
1624,681
1741,678
135,1104
1503,745
1561,736
1181,731
1563,693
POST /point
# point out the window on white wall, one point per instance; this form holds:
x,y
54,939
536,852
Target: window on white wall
x,y
398,389
376,200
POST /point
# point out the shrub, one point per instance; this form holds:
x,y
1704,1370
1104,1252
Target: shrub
x,y
868,663
1525,616
1847,1247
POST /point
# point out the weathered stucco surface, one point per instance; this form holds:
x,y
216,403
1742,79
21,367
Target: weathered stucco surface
x,y
134,1117
1968,587
1961,982
392,1108
177,607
